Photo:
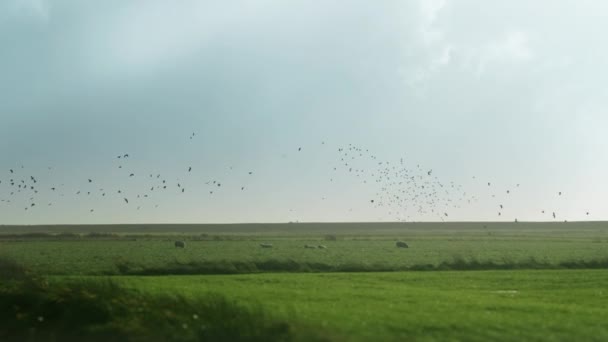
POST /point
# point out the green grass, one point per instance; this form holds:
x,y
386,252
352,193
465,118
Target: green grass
x,y
557,305
496,247
541,281
33,309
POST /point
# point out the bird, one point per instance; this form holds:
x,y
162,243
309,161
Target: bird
x,y
189,168
126,200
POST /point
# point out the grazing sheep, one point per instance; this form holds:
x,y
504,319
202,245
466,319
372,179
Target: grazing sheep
x,y
180,244
401,244
266,245
310,246
321,246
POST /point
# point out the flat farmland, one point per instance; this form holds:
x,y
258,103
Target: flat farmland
x,y
430,247
536,305
458,282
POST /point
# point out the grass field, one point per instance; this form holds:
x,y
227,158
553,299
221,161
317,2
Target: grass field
x,y
362,248
564,305
506,281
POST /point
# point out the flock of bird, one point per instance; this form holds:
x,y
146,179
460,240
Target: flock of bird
x,y
406,192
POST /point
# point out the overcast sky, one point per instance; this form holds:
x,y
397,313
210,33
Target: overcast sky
x,y
508,92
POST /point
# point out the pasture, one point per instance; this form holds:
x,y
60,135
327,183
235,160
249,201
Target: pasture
x,y
370,247
542,305
465,281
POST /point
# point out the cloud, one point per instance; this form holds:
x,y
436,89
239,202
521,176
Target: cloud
x,y
429,10
140,37
432,52
514,47
440,43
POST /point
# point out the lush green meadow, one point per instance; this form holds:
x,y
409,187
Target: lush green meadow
x,y
480,281
361,248
557,305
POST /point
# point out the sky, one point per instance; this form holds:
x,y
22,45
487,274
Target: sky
x,y
476,91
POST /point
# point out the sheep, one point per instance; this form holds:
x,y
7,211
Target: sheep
x,y
401,244
321,247
180,244
266,245
310,246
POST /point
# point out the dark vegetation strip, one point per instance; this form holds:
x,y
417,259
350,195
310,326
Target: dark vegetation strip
x,y
306,228
266,266
79,310
67,236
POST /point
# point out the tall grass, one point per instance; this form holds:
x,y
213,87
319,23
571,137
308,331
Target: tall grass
x,y
275,265
78,310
